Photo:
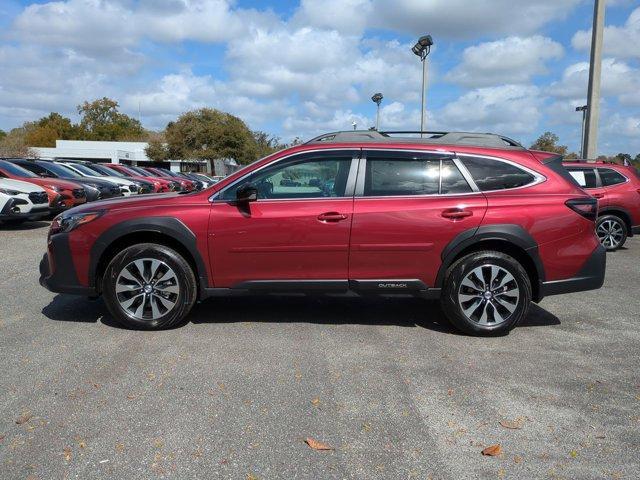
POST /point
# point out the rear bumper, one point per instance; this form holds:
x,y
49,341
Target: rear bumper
x,y
57,273
590,276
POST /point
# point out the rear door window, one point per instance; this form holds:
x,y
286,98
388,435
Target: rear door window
x,y
390,174
610,177
586,177
490,174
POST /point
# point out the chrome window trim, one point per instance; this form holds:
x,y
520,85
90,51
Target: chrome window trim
x,y
584,169
538,177
446,155
350,182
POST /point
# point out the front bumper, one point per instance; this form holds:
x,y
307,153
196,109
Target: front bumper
x,y
57,273
9,213
590,276
635,230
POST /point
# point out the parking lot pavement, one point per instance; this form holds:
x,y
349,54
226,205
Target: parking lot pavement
x,y
384,382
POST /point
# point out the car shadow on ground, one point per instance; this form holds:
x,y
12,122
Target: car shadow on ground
x,y
24,226
318,309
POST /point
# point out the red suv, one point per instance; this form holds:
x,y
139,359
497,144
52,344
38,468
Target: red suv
x,y
476,220
617,189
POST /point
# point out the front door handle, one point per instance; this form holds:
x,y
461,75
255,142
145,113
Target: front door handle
x,y
456,213
332,217
598,195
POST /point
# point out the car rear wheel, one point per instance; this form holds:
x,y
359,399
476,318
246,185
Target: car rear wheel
x,y
149,287
611,231
486,293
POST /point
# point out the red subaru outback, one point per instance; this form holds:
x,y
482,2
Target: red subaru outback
x,y
473,219
617,189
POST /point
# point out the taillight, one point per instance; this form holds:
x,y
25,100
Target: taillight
x,y
587,207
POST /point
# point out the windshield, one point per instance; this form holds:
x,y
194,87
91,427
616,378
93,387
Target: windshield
x,y
128,171
139,170
16,170
107,171
59,170
87,171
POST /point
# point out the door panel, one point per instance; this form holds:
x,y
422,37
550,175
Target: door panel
x,y
299,227
408,207
403,238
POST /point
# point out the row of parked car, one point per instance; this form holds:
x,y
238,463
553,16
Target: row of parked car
x,y
33,189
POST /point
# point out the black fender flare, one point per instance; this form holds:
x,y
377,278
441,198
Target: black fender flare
x,y
510,233
168,226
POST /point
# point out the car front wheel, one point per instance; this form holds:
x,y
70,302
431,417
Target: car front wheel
x,y
486,293
149,287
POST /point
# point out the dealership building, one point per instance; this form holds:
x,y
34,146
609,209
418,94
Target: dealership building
x,y
128,153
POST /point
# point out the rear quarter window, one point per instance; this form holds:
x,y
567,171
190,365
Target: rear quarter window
x,y
490,174
585,177
609,177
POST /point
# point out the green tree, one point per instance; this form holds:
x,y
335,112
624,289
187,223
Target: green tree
x,y
2,134
206,134
45,132
14,144
101,120
548,142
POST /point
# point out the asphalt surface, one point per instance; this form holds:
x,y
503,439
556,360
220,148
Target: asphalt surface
x,y
384,382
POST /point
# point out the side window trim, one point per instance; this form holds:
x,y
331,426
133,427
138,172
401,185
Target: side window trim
x,y
444,155
349,188
597,169
595,173
538,177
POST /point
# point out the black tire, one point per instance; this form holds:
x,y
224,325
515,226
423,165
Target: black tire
x,y
169,260
485,316
611,231
14,222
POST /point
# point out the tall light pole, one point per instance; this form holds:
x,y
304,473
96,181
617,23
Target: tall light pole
x,y
590,143
422,49
377,99
582,109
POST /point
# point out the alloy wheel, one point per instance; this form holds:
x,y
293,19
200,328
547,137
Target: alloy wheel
x,y
610,233
147,289
488,295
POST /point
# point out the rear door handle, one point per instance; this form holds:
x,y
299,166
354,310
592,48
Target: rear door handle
x,y
331,217
456,213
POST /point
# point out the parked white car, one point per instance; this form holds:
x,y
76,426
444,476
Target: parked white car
x,y
21,201
127,187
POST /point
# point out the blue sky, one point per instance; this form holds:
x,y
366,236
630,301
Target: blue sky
x,y
296,69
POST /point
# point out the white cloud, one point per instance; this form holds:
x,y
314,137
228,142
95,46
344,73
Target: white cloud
x,y
618,79
509,60
621,41
509,109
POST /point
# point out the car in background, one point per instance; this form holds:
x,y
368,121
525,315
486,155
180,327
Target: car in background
x,y
62,194
127,187
144,186
211,180
185,185
159,184
172,184
21,201
617,188
475,220
96,189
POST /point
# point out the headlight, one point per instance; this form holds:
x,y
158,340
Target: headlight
x,y
9,192
66,223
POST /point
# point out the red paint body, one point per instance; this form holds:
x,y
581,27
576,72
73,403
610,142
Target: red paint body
x,y
160,185
361,238
187,185
622,199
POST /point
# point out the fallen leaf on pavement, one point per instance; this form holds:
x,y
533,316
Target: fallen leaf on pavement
x,y
493,450
67,454
513,424
316,445
315,402
24,418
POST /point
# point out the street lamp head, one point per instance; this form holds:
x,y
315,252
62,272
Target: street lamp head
x,y
423,46
425,41
377,98
581,109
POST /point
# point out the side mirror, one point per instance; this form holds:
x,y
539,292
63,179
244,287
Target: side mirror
x,y
247,193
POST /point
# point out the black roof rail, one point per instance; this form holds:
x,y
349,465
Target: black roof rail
x,y
427,137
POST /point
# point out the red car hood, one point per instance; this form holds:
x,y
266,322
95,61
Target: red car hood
x,y
64,184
